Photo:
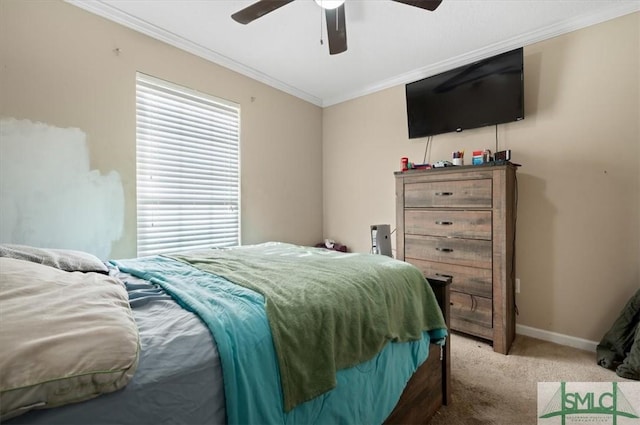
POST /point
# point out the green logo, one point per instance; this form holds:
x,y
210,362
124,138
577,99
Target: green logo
x,y
587,406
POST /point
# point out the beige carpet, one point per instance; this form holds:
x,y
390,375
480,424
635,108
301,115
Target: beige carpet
x,y
490,388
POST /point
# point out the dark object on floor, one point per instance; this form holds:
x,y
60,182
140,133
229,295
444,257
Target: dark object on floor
x,y
336,246
619,349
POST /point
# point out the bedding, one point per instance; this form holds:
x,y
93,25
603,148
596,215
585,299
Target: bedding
x,y
178,379
222,365
44,309
63,259
364,300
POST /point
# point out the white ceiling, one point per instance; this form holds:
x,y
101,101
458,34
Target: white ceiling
x,y
389,43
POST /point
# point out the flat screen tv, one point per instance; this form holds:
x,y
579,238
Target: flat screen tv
x,y
487,92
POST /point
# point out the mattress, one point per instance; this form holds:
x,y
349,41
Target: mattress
x,y
178,379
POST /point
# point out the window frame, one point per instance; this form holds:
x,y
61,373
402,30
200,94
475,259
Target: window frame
x,y
163,127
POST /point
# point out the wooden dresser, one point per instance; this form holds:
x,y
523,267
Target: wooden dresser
x,y
459,222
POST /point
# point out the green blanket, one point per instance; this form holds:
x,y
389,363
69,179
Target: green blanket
x,y
327,310
619,348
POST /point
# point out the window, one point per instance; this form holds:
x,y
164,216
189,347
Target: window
x,y
187,155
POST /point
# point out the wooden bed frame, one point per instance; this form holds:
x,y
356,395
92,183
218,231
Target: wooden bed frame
x,y
430,386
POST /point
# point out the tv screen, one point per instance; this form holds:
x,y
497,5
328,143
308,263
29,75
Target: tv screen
x,y
483,93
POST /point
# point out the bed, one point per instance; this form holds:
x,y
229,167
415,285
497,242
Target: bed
x,y
236,335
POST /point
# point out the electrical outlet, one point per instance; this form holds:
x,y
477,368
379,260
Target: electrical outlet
x,y
517,285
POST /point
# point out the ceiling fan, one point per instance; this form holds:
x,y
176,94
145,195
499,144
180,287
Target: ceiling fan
x,y
334,13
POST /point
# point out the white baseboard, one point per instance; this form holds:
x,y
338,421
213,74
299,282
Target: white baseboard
x,y
570,341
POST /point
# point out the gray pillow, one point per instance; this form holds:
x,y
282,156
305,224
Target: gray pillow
x,y
63,259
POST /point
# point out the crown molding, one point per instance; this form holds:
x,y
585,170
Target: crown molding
x,y
114,14
109,12
495,49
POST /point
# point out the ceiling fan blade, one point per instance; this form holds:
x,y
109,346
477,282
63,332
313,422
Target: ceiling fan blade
x,y
336,30
422,4
257,10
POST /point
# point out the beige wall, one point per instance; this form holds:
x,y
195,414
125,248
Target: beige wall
x,y
578,229
578,245
58,66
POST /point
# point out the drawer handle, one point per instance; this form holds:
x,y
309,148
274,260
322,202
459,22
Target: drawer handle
x,y
444,249
444,275
444,193
444,223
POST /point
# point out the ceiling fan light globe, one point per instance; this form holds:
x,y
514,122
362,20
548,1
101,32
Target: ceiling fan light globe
x,y
329,4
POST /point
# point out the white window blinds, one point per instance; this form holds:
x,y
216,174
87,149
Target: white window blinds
x,y
187,152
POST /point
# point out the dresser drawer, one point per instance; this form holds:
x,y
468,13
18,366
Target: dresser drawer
x,y
453,193
448,223
464,252
470,280
472,314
